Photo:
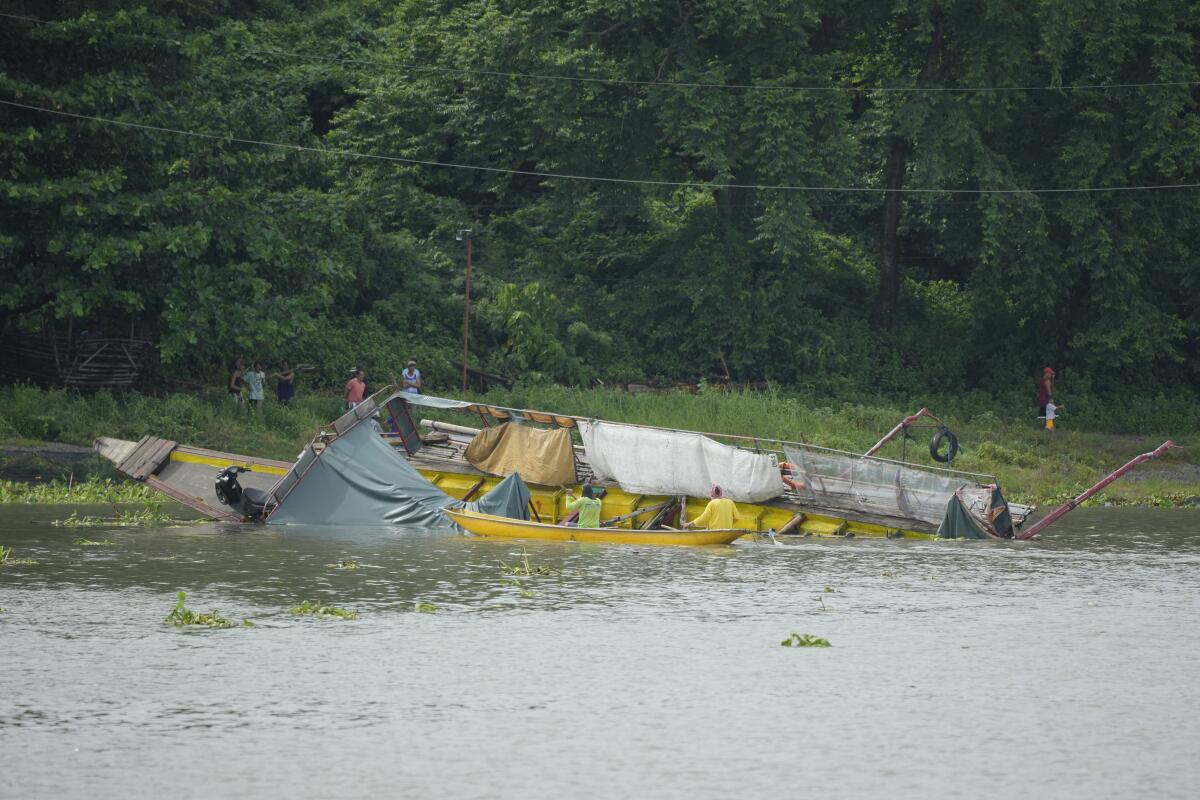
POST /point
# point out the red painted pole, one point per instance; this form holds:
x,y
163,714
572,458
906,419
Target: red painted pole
x,y
466,315
904,423
1059,512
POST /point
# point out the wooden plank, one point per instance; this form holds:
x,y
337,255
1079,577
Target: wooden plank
x,y
160,456
466,497
194,502
635,513
137,469
150,456
134,456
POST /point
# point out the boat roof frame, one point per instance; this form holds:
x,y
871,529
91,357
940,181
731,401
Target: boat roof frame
x,y
776,444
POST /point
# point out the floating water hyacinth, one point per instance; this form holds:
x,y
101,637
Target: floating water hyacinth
x,y
807,640
84,542
425,608
7,559
307,608
93,490
127,519
523,567
181,616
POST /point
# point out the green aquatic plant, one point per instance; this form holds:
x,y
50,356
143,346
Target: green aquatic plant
x,y
828,590
83,542
345,563
307,608
126,519
180,616
425,608
7,560
527,593
523,567
807,640
93,490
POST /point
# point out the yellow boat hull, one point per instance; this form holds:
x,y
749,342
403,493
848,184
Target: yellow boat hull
x,y
549,503
505,528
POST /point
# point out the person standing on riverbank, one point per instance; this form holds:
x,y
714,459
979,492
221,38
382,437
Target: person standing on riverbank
x,y
355,389
1045,397
285,388
254,380
410,379
235,380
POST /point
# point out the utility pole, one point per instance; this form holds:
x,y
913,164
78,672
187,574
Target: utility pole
x,y
466,234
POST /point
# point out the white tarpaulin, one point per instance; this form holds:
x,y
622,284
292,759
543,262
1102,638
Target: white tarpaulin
x,y
650,461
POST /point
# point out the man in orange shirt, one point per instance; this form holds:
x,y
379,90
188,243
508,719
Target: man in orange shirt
x,y
355,387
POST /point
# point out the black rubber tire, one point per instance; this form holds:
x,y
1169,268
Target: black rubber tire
x,y
935,446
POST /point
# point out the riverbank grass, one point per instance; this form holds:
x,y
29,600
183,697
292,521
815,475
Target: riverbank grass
x,y
999,438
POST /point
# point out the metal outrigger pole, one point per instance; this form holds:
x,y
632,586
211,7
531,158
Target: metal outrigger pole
x,y
904,425
1056,514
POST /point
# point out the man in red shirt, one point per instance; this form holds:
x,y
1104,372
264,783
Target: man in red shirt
x,y
1045,394
355,387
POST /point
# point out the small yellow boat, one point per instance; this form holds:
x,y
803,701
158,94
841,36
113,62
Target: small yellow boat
x,y
503,527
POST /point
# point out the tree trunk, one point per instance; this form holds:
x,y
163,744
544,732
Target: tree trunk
x,y
884,313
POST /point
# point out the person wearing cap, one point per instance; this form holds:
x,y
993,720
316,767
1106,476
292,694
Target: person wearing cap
x,y
1045,393
356,389
719,515
410,379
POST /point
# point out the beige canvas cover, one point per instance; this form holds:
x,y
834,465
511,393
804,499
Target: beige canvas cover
x,y
540,455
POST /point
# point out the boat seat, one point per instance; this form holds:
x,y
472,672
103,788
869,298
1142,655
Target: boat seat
x,y
254,502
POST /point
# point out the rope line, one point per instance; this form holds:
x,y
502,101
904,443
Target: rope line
x,y
573,177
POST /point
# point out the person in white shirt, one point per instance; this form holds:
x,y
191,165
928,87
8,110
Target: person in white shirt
x,y
254,380
410,379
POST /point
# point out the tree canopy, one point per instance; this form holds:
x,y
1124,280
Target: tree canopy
x,y
919,194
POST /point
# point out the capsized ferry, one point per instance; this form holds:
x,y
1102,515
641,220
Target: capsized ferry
x,y
381,463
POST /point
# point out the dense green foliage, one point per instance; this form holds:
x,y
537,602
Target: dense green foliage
x,y
216,248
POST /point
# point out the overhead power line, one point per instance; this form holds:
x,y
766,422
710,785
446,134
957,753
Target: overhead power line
x,y
586,79
573,177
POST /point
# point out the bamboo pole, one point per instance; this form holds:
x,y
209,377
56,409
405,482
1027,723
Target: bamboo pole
x,y
1074,502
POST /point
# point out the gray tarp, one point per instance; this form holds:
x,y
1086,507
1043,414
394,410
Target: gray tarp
x,y
358,479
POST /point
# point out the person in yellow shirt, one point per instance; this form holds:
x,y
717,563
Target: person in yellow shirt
x,y
588,507
719,515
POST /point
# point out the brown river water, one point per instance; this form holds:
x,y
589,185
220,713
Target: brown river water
x,y
1064,667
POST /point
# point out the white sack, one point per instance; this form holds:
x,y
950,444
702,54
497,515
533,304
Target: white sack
x,y
650,461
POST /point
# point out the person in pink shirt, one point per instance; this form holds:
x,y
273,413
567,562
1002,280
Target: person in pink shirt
x,y
355,387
